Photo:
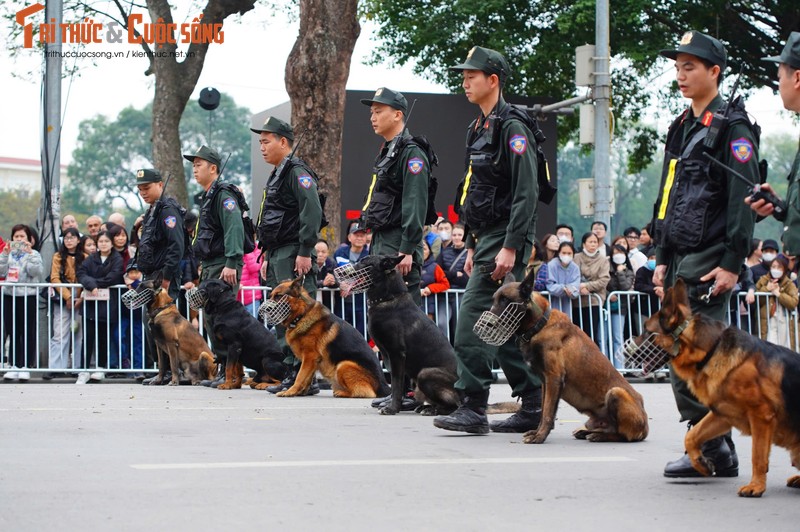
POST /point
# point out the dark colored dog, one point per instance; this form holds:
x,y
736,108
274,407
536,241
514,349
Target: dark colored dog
x,y
249,342
413,343
572,368
746,382
324,342
175,337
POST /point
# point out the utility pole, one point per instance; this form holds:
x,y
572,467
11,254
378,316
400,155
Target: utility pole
x,y
602,115
50,209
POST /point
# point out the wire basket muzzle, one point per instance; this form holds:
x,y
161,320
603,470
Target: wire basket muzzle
x,y
357,280
196,298
134,299
645,355
497,329
274,312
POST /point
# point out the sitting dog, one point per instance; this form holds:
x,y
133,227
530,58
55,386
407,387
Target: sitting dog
x,y
571,367
249,342
414,344
175,337
746,383
324,342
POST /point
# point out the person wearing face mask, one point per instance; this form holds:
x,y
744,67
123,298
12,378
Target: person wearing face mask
x,y
565,233
769,252
643,282
777,320
622,277
594,280
563,279
445,229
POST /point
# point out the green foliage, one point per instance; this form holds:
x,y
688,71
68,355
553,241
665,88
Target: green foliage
x,y
17,206
104,171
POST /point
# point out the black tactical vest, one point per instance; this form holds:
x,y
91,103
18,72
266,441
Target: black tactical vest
x,y
150,253
209,240
279,219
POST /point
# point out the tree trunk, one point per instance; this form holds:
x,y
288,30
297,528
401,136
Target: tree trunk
x,y
175,82
316,75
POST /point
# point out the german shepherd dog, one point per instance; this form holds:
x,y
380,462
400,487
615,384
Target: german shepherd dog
x,y
572,368
413,342
249,342
175,338
746,383
324,342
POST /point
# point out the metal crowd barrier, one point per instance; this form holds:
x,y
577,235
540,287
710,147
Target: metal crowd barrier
x,y
55,337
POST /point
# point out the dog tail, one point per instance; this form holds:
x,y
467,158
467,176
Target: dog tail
x,y
207,366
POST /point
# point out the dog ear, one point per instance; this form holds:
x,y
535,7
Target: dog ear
x,y
158,278
297,284
390,263
526,286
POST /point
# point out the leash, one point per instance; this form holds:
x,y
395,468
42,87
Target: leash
x,y
152,314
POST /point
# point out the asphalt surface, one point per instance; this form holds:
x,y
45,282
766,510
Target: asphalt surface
x,y
121,456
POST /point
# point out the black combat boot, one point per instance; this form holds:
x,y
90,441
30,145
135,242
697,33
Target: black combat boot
x,y
469,417
528,417
721,451
285,383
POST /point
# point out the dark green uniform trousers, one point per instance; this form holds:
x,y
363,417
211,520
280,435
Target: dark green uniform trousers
x,y
387,242
690,268
473,354
212,269
280,268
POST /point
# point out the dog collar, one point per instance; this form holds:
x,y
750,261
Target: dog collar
x,y
152,314
676,333
295,322
700,365
526,337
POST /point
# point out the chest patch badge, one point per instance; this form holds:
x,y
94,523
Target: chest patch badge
x,y
304,180
229,204
170,221
742,149
518,144
415,165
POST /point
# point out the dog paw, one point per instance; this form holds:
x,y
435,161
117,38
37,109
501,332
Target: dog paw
x,y
387,411
793,482
426,410
581,433
286,393
174,383
533,436
260,385
703,465
224,386
754,489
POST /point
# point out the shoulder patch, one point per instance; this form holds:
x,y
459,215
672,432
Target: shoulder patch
x,y
170,221
415,165
229,204
518,144
742,149
304,180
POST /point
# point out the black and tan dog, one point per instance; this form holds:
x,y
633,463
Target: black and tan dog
x,y
572,368
324,342
414,344
746,383
176,339
249,342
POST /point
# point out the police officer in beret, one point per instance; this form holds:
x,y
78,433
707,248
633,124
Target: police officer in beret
x,y
498,203
701,226
288,222
789,89
161,242
397,198
219,239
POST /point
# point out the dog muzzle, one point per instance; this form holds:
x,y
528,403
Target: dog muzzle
x,y
356,280
134,299
497,329
274,312
196,298
645,355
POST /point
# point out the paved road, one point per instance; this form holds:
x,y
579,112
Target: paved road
x,y
119,456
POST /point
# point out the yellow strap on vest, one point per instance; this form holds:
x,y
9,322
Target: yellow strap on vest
x,y
466,185
662,209
263,200
369,194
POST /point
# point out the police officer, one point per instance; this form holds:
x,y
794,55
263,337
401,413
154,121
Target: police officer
x,y
288,222
497,202
397,200
161,243
789,88
701,226
219,239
